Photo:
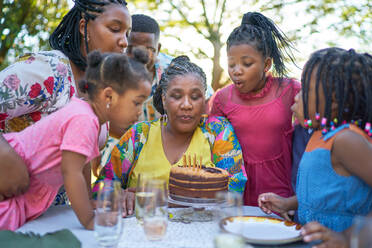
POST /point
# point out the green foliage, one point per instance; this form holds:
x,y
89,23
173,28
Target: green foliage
x,y
24,20
208,20
347,18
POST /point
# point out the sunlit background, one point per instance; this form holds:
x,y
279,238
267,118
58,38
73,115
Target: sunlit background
x,y
311,25
292,20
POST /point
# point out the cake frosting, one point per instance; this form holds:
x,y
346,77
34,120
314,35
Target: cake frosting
x,y
197,182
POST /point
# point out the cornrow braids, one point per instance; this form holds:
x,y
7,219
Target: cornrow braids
x,y
261,32
114,70
66,37
346,77
179,66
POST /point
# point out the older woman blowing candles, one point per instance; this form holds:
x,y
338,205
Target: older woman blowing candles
x,y
154,147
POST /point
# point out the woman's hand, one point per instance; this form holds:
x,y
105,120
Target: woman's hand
x,y
271,202
314,231
128,201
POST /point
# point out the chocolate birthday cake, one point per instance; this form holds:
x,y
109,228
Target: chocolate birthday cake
x,y
197,181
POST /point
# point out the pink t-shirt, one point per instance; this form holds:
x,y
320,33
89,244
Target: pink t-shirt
x,y
263,125
75,128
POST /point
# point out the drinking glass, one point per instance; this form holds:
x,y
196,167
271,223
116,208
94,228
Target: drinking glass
x,y
229,204
156,210
141,196
107,221
361,232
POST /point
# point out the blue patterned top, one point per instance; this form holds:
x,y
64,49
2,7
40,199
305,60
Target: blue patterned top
x,y
323,195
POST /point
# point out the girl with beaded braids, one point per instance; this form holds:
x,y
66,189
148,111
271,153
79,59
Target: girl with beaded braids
x,y
258,104
41,83
334,181
152,148
57,149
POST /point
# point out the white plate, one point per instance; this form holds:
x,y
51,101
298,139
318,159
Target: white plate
x,y
262,230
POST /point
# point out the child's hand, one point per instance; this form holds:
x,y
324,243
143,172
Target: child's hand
x,y
271,202
314,231
128,201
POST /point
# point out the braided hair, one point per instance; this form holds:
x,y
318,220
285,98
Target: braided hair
x,y
261,33
114,70
179,66
345,76
66,37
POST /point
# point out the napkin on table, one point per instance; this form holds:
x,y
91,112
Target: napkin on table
x,y
59,239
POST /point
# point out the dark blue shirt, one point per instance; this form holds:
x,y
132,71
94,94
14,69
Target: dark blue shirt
x,y
299,141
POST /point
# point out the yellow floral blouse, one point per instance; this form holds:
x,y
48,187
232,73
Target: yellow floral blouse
x,y
225,152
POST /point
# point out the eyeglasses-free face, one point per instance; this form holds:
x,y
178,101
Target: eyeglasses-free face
x,y
109,31
184,103
150,50
146,41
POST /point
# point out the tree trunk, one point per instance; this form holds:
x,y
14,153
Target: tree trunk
x,y
4,49
217,69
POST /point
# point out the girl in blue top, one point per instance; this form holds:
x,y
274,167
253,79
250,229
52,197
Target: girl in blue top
x,y
334,181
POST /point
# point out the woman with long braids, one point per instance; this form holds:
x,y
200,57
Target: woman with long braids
x,y
41,83
154,147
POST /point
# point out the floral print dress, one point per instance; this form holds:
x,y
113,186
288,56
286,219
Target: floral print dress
x,y
225,152
36,85
33,87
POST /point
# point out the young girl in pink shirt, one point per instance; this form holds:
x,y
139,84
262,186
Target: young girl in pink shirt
x,y
258,104
57,149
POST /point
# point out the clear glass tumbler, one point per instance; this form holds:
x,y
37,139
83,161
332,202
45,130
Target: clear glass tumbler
x,y
142,197
361,233
229,209
108,221
156,210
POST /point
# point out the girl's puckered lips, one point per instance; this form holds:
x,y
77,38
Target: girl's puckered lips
x,y
238,83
